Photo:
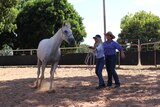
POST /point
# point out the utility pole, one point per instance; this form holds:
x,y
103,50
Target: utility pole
x,y
104,18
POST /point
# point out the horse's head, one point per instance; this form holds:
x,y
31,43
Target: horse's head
x,y
67,34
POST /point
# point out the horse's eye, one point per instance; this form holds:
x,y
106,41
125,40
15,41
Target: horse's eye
x,y
65,31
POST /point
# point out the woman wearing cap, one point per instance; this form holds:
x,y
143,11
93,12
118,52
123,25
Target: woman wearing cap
x,y
99,53
110,47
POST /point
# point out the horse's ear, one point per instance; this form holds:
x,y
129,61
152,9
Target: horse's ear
x,y
67,24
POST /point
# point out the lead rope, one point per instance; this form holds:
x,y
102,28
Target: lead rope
x,y
90,61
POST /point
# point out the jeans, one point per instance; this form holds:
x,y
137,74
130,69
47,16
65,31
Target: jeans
x,y
99,67
110,62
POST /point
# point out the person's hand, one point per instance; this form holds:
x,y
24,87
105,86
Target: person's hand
x,y
122,55
91,47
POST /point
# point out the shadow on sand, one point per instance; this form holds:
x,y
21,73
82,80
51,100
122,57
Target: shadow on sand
x,y
136,91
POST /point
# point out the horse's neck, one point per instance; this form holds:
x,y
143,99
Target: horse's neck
x,y
56,40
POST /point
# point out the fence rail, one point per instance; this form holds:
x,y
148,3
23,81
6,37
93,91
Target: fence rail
x,y
34,51
151,51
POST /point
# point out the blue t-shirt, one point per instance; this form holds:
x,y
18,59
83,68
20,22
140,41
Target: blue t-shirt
x,y
99,51
110,47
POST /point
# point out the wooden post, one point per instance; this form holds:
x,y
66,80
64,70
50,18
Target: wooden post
x,y
119,59
104,18
155,60
139,53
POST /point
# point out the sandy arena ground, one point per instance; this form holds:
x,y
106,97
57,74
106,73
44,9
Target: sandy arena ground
x,y
75,87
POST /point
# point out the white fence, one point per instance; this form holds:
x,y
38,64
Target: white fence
x,y
138,47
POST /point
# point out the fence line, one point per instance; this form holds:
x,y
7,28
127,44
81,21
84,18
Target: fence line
x,y
78,49
84,49
139,50
31,51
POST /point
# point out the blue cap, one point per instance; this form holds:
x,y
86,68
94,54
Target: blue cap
x,y
97,36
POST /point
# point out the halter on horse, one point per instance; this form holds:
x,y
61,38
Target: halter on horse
x,y
49,52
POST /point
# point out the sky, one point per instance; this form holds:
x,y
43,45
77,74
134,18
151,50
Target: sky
x,y
92,13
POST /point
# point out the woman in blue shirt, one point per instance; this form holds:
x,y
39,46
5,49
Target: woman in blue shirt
x,y
110,47
99,53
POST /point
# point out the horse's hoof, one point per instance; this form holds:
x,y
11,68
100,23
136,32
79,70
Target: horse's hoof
x,y
33,86
51,91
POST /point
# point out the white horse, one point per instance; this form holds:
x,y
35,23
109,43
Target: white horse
x,y
49,52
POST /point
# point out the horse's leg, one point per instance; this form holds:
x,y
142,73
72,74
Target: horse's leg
x,y
42,75
53,68
38,73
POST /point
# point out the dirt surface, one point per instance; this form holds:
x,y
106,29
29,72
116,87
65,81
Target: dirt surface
x,y
75,87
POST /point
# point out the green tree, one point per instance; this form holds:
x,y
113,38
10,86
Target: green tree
x,y
22,4
142,25
40,19
8,13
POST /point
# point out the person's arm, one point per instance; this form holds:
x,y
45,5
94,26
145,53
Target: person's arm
x,y
92,47
120,48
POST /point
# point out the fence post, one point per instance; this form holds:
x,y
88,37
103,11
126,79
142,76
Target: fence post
x,y
139,53
155,60
119,60
31,52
